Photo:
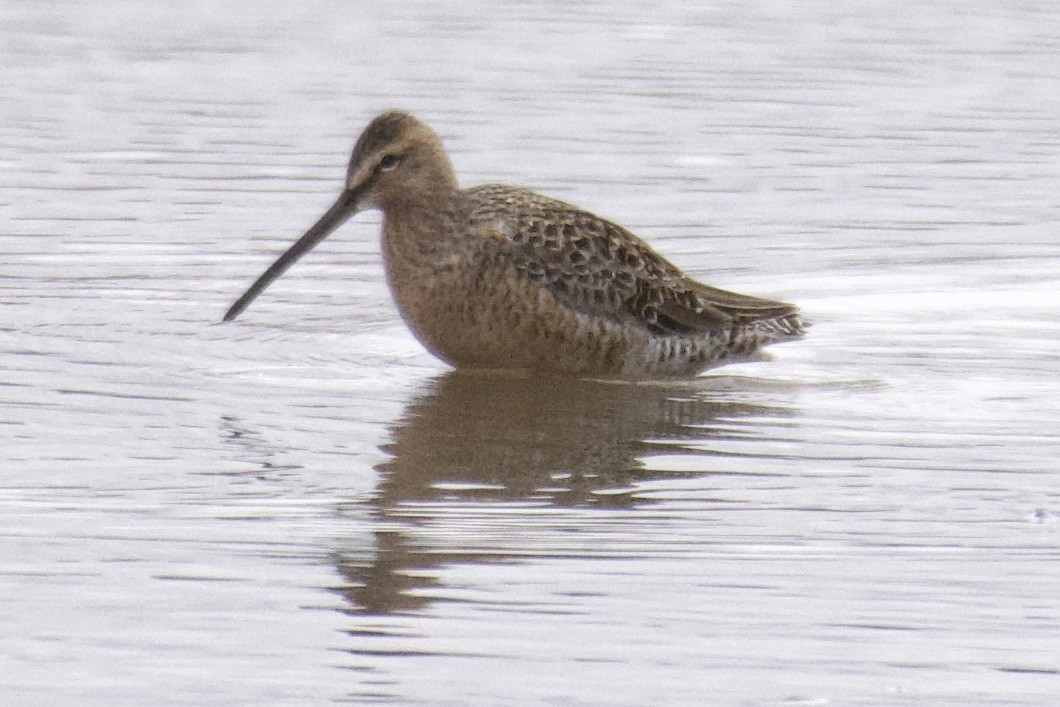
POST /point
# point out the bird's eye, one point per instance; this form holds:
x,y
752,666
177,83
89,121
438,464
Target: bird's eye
x,y
389,163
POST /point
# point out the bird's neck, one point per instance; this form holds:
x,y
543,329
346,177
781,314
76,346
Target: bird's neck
x,y
417,223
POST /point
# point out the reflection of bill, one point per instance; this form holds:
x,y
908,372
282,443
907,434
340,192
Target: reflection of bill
x,y
473,442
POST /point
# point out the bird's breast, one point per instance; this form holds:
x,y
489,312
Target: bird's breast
x,y
472,309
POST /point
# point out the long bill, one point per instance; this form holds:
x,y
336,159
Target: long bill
x,y
342,209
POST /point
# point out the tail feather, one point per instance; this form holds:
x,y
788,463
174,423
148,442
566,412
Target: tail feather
x,y
770,319
773,330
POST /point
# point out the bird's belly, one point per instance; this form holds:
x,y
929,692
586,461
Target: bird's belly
x,y
499,320
493,318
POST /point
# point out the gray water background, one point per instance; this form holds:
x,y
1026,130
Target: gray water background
x,y
303,507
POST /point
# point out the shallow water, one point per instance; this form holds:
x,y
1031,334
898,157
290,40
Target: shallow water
x,y
303,507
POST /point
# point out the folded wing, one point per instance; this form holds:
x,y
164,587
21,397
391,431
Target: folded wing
x,y
599,268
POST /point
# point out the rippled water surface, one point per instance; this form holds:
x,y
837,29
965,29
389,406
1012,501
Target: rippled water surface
x,y
303,507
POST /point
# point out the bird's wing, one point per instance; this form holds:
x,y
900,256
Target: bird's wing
x,y
600,268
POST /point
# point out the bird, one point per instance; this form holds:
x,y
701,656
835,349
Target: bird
x,y
500,277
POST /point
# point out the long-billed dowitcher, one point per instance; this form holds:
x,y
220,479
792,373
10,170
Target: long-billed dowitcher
x,y
500,277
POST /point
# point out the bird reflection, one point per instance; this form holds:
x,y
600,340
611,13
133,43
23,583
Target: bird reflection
x,y
473,437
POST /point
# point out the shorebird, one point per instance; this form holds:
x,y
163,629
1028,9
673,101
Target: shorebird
x,y
497,276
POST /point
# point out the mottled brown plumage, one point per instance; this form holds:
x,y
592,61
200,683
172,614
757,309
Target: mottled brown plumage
x,y
500,277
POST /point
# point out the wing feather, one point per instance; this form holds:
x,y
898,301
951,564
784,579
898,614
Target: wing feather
x,y
600,268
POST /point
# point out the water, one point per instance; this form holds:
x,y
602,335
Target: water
x,y
303,507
